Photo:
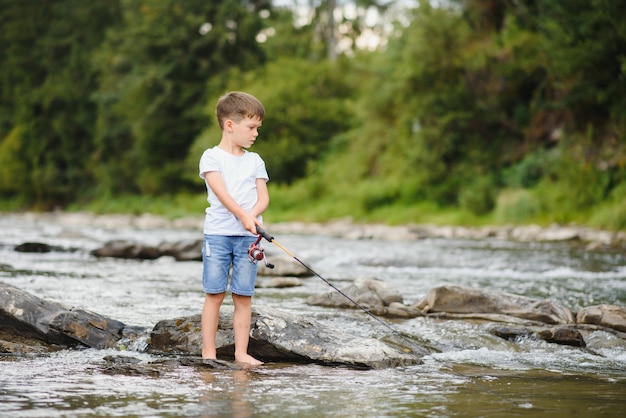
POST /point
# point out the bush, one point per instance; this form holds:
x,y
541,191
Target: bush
x,y
517,206
530,170
574,191
610,216
478,197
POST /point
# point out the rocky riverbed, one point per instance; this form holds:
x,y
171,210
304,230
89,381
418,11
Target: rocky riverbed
x,y
143,304
25,315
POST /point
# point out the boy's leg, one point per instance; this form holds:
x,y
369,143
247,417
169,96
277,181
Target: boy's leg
x,y
241,326
242,288
215,264
210,321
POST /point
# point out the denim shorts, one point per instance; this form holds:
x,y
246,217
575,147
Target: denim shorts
x,y
219,253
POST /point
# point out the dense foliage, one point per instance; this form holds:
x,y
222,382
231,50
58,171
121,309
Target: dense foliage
x,y
503,111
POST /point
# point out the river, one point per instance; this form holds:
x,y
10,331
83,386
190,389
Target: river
x,y
475,375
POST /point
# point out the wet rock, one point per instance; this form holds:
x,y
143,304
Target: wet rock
x,y
149,221
372,294
558,233
284,266
510,333
88,328
372,231
277,282
563,336
216,364
20,346
602,340
609,316
346,228
29,316
40,247
280,336
190,250
129,366
492,317
400,310
310,339
33,247
127,249
184,336
119,359
458,299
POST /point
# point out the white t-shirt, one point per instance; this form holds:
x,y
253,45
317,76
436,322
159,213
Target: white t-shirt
x,y
239,174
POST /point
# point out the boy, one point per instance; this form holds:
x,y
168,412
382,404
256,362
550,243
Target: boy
x,y
237,194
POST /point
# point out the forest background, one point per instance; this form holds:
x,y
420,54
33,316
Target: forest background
x,y
450,112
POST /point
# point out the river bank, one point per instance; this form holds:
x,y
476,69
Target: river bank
x,y
346,228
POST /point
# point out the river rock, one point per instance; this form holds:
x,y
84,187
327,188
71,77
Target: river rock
x,y
26,315
40,247
561,335
347,229
400,310
12,344
609,316
378,297
599,340
127,249
277,282
189,250
33,247
284,266
129,366
510,333
6,267
280,336
465,300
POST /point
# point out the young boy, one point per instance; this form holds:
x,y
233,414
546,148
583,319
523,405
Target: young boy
x,y
237,194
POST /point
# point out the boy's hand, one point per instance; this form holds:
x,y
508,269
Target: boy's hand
x,y
249,222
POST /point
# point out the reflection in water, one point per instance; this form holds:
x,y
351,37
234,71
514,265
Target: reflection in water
x,y
225,394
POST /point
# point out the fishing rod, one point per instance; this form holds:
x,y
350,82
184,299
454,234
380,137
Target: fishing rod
x,y
257,253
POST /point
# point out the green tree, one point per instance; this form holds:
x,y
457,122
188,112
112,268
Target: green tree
x,y
46,79
586,45
306,103
153,88
437,98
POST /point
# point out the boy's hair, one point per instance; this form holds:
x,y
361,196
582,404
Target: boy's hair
x,y
237,105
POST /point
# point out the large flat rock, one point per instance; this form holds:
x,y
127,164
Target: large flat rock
x,y
281,336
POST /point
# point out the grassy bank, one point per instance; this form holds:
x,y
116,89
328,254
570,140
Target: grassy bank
x,y
289,204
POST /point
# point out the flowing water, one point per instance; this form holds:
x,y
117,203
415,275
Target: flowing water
x,y
475,375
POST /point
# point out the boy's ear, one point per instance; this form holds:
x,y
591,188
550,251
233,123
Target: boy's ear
x,y
228,124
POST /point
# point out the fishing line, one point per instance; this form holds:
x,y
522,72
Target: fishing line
x,y
255,252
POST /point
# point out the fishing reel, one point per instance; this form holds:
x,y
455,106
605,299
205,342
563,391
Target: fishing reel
x,y
256,253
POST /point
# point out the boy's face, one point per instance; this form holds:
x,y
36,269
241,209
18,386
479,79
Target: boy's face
x,y
244,133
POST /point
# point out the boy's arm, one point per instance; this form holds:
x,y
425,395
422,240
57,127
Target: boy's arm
x,y
217,184
262,198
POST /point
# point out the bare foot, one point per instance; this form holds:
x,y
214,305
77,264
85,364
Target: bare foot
x,y
248,360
